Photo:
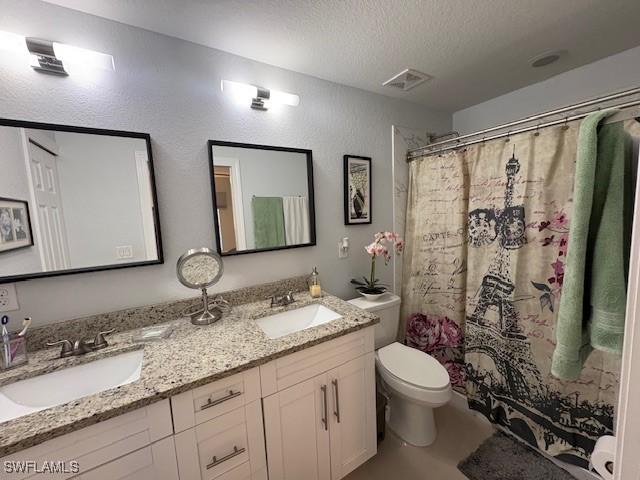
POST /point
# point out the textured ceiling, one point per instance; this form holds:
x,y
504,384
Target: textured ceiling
x,y
475,49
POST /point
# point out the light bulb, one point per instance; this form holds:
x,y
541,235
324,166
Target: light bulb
x,y
81,58
241,92
284,98
14,43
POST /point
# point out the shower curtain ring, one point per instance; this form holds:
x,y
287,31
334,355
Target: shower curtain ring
x,y
508,139
537,132
566,121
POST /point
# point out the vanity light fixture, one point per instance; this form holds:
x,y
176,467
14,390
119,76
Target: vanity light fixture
x,y
53,57
259,97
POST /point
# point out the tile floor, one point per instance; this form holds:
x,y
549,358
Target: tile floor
x,y
459,434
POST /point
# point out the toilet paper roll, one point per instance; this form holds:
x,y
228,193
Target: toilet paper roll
x,y
603,456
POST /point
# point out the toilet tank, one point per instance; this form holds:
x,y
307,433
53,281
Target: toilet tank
x,y
388,309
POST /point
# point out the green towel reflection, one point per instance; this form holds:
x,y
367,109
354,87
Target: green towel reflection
x,y
268,222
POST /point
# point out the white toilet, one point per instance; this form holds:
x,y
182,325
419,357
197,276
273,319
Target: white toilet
x,y
416,382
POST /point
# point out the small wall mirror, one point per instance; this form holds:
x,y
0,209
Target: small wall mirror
x,y
74,200
262,197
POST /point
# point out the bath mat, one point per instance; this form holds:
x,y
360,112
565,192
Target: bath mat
x,y
502,458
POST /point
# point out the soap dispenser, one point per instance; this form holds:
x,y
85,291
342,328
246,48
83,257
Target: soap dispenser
x,y
314,284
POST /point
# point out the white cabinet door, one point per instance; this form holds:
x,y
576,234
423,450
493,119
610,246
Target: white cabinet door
x,y
353,415
297,431
154,462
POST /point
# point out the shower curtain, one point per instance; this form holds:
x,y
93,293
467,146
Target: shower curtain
x,y
487,230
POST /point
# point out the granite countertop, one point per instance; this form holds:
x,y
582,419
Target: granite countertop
x,y
192,356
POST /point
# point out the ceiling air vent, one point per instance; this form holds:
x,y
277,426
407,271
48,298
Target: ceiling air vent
x,y
407,79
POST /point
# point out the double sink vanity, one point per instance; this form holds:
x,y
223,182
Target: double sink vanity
x,y
267,383
266,392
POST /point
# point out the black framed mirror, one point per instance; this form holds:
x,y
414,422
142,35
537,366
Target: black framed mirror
x,y
263,197
75,200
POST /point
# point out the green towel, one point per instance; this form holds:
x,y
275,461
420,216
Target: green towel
x,y
592,306
268,222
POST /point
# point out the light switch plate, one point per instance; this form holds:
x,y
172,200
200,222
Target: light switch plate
x,y
8,298
343,247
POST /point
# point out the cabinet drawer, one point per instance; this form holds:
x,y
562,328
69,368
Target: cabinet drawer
x,y
214,399
100,443
155,462
243,472
300,366
215,448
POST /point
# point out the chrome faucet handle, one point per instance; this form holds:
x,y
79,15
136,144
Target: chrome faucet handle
x,y
100,341
67,347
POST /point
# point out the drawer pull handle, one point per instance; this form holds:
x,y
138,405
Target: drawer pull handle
x,y
236,451
212,403
336,412
323,419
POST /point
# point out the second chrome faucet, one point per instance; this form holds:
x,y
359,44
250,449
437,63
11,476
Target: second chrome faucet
x,y
82,346
281,301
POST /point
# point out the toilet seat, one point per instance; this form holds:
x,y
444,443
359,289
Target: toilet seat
x,y
413,366
413,374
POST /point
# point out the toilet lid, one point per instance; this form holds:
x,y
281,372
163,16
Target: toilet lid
x,y
413,366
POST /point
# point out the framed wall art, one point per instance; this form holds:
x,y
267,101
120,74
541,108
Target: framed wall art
x,y
357,190
15,225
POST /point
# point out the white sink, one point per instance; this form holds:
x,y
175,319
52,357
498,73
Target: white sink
x,y
68,384
281,324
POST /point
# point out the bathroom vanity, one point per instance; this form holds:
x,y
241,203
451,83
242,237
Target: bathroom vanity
x,y
224,402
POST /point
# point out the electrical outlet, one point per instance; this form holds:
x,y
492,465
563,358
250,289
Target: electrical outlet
x,y
125,251
8,298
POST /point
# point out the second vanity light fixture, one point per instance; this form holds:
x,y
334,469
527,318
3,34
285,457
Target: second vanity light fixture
x,y
260,98
53,57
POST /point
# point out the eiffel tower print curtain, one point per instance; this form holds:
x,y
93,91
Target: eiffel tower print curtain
x,y
487,229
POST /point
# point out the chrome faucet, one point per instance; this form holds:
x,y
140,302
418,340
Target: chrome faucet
x,y
82,346
281,301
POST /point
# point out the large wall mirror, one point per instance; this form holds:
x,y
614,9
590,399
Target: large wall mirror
x,y
74,199
262,197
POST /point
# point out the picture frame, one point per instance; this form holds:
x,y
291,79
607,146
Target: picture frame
x,y
357,190
15,225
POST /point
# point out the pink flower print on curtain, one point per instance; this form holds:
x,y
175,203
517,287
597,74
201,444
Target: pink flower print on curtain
x,y
441,338
555,234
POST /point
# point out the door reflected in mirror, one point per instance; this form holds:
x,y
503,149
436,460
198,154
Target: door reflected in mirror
x,y
87,196
262,197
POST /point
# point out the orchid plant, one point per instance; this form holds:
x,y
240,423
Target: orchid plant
x,y
377,249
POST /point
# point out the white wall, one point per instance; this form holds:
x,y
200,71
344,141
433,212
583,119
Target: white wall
x,y
171,89
14,184
100,197
266,173
611,74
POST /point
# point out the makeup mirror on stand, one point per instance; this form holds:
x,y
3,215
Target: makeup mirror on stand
x,y
200,268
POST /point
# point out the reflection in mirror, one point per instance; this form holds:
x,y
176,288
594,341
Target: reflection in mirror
x,y
74,199
263,197
199,268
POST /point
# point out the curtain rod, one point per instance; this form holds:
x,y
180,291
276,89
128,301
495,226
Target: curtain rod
x,y
445,144
515,132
